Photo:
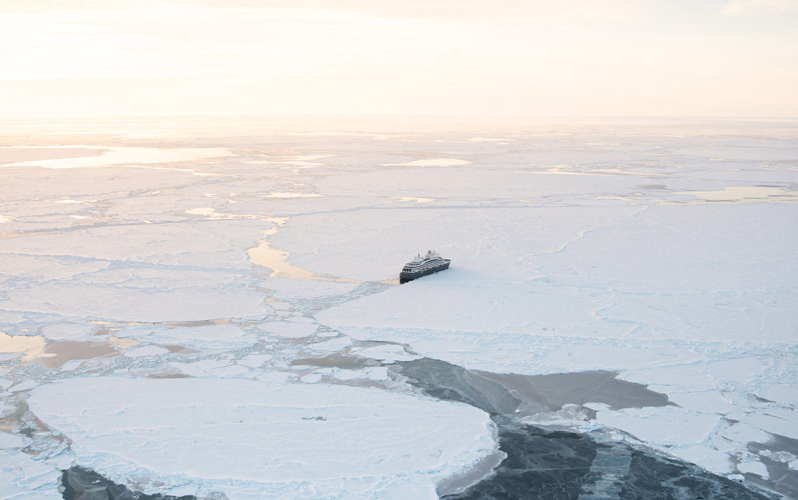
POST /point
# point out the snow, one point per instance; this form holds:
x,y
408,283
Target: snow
x,y
662,251
24,385
29,345
23,478
783,423
201,368
754,467
8,441
150,350
128,155
68,331
433,162
704,402
289,288
92,301
385,353
332,345
255,360
780,392
667,425
311,378
744,433
207,337
252,438
288,329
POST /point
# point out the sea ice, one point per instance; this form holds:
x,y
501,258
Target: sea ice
x,y
754,467
311,378
288,329
782,422
667,425
128,155
202,368
206,337
704,402
255,360
24,478
662,252
782,393
68,331
150,350
290,288
386,352
432,162
250,438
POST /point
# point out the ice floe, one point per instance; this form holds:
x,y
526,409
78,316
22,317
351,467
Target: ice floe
x,y
202,337
289,329
668,425
250,438
24,478
128,155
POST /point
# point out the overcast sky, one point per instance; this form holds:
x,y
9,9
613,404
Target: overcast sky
x,y
535,58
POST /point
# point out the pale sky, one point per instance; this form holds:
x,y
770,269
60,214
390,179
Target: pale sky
x,y
534,58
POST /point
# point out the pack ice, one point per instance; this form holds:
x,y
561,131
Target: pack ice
x,y
214,310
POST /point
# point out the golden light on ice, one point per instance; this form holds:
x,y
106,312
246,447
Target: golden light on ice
x,y
29,346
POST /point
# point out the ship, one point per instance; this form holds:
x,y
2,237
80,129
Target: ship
x,y
422,266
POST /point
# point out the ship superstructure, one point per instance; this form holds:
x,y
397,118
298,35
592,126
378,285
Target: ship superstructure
x,y
422,266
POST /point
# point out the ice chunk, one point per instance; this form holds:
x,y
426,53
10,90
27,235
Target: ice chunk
x,y
703,401
200,368
206,337
311,378
68,331
744,433
289,329
783,422
29,345
714,460
11,441
387,352
331,345
612,357
694,376
666,425
150,350
126,304
255,360
754,467
25,385
23,478
377,373
780,393
252,439
290,288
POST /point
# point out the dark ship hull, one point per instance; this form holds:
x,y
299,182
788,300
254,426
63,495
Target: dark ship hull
x,y
405,277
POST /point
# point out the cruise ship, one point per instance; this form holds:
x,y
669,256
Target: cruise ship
x,y
422,266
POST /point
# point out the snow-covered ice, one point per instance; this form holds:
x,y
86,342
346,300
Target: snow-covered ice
x,y
255,254
23,478
202,337
298,441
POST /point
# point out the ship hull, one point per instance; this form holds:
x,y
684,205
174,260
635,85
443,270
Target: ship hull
x,y
405,277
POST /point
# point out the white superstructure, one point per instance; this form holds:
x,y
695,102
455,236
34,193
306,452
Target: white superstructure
x,y
422,266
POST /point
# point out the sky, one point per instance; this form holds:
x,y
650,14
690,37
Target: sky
x,y
503,58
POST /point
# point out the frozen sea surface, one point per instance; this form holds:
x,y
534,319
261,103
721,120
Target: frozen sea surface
x,y
658,258
298,440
